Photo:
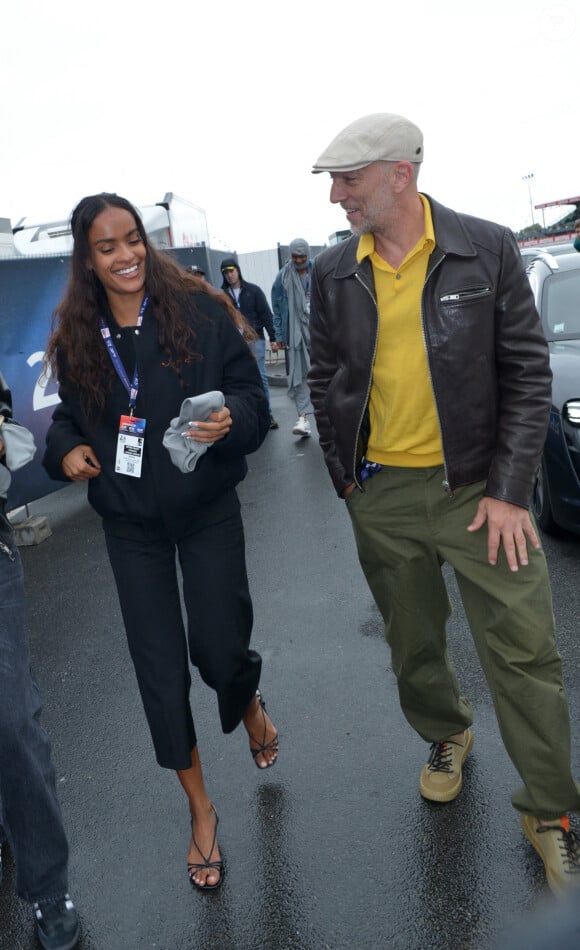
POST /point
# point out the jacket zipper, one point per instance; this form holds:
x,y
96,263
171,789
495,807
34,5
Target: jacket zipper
x,y
368,392
466,294
445,484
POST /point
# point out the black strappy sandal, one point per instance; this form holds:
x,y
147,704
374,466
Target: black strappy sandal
x,y
207,864
263,746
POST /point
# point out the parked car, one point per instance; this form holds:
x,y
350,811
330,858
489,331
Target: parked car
x,y
534,250
555,282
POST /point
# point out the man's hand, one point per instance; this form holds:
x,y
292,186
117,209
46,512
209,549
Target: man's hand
x,y
275,346
509,525
348,490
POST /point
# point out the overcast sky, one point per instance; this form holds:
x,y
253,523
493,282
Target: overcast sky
x,y
228,104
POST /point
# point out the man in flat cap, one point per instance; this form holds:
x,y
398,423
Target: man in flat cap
x,y
431,388
291,306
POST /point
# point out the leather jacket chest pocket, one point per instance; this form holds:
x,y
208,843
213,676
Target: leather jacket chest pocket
x,y
464,323
466,296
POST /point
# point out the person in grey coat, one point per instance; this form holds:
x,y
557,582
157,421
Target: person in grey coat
x,y
291,306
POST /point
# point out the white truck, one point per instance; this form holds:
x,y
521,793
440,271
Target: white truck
x,y
173,222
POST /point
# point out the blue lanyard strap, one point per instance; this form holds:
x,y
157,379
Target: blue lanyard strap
x,y
368,469
131,387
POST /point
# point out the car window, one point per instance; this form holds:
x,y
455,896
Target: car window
x,y
561,306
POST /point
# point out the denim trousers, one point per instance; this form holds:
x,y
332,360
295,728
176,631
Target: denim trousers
x,y
406,528
30,816
258,348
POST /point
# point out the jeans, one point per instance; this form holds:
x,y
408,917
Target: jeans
x,y
258,348
30,816
406,527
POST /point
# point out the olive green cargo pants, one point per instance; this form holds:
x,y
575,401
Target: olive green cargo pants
x,y
406,527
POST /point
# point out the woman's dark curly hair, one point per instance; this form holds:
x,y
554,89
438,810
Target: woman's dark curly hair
x,y
75,339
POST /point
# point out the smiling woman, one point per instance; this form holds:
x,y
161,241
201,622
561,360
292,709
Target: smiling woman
x,y
136,342
117,257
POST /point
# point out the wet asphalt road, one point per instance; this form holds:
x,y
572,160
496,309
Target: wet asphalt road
x,y
332,848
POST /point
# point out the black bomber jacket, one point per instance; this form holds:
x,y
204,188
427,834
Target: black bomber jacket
x,y
163,492
486,351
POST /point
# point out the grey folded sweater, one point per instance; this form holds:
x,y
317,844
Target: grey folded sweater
x,y
185,453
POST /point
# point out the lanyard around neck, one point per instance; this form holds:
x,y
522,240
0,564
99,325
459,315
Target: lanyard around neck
x,y
235,296
131,387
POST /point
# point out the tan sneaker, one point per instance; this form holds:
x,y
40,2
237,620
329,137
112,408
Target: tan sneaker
x,y
442,778
559,849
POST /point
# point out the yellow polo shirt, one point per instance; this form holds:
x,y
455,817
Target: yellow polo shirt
x,y
404,429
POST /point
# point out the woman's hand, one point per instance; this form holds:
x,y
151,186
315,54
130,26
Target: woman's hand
x,y
217,427
81,463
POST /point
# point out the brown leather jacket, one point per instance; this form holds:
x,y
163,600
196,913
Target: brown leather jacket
x,y
487,357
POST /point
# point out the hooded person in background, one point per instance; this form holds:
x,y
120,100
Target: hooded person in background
x,y
238,319
291,306
250,301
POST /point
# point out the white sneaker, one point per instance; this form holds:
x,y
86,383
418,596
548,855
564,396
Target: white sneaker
x,y
302,427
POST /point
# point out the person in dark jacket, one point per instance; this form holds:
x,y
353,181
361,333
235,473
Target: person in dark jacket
x,y
248,333
146,357
430,381
251,301
30,815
